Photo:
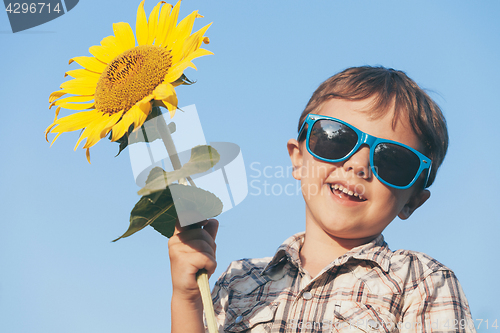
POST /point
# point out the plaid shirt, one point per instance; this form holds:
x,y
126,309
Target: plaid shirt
x,y
368,289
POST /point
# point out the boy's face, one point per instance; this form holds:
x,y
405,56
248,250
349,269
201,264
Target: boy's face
x,y
347,216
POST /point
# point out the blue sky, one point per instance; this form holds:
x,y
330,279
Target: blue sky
x,y
59,271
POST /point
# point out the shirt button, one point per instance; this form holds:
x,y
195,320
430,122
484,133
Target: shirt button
x,y
307,295
238,319
372,324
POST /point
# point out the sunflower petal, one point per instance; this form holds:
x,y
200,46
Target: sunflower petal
x,y
141,25
83,135
101,129
54,139
145,105
57,113
82,86
153,23
176,71
73,99
163,91
55,95
90,63
80,90
80,82
171,109
168,33
81,73
196,54
112,44
112,121
174,74
51,126
75,121
193,42
166,93
102,53
89,129
121,127
163,23
93,136
87,154
199,53
134,116
125,39
138,115
47,131
182,48
184,28
78,106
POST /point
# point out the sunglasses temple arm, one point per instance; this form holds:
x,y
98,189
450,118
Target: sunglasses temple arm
x,y
427,177
302,128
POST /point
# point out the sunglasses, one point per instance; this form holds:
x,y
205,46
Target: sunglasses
x,y
393,163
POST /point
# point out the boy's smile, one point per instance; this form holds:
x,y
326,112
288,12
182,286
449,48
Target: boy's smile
x,y
344,200
344,191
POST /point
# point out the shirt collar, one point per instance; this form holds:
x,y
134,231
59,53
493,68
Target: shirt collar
x,y
376,251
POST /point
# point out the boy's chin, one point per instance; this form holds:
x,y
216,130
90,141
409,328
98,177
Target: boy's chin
x,y
351,235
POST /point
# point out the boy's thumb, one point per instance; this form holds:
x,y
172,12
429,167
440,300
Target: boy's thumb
x,y
192,218
211,227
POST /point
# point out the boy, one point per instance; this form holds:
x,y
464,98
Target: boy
x,y
370,143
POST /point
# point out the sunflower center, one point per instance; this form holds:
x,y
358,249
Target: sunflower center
x,y
130,77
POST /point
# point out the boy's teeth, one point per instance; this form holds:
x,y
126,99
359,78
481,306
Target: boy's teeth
x,y
346,191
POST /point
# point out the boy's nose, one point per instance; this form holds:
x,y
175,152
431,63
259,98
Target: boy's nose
x,y
359,163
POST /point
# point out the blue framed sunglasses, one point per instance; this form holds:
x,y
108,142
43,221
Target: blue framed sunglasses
x,y
393,163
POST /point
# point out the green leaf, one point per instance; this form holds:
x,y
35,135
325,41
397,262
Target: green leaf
x,y
182,80
202,159
189,199
123,141
159,211
147,211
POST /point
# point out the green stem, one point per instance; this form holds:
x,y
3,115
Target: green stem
x,y
202,275
166,137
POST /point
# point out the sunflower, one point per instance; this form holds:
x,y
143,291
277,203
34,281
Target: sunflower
x,y
123,80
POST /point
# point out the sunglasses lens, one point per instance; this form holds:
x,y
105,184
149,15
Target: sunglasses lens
x,y
331,140
395,164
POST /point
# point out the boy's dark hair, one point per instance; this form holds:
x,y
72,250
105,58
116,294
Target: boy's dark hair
x,y
389,86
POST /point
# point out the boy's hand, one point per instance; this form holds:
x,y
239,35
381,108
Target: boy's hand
x,y
190,249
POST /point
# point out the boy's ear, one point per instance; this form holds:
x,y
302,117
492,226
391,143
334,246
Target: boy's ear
x,y
415,201
295,153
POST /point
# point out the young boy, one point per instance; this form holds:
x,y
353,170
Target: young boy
x,y
370,142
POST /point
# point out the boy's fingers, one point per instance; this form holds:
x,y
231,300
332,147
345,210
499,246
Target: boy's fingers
x,y
211,227
178,229
197,246
205,231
